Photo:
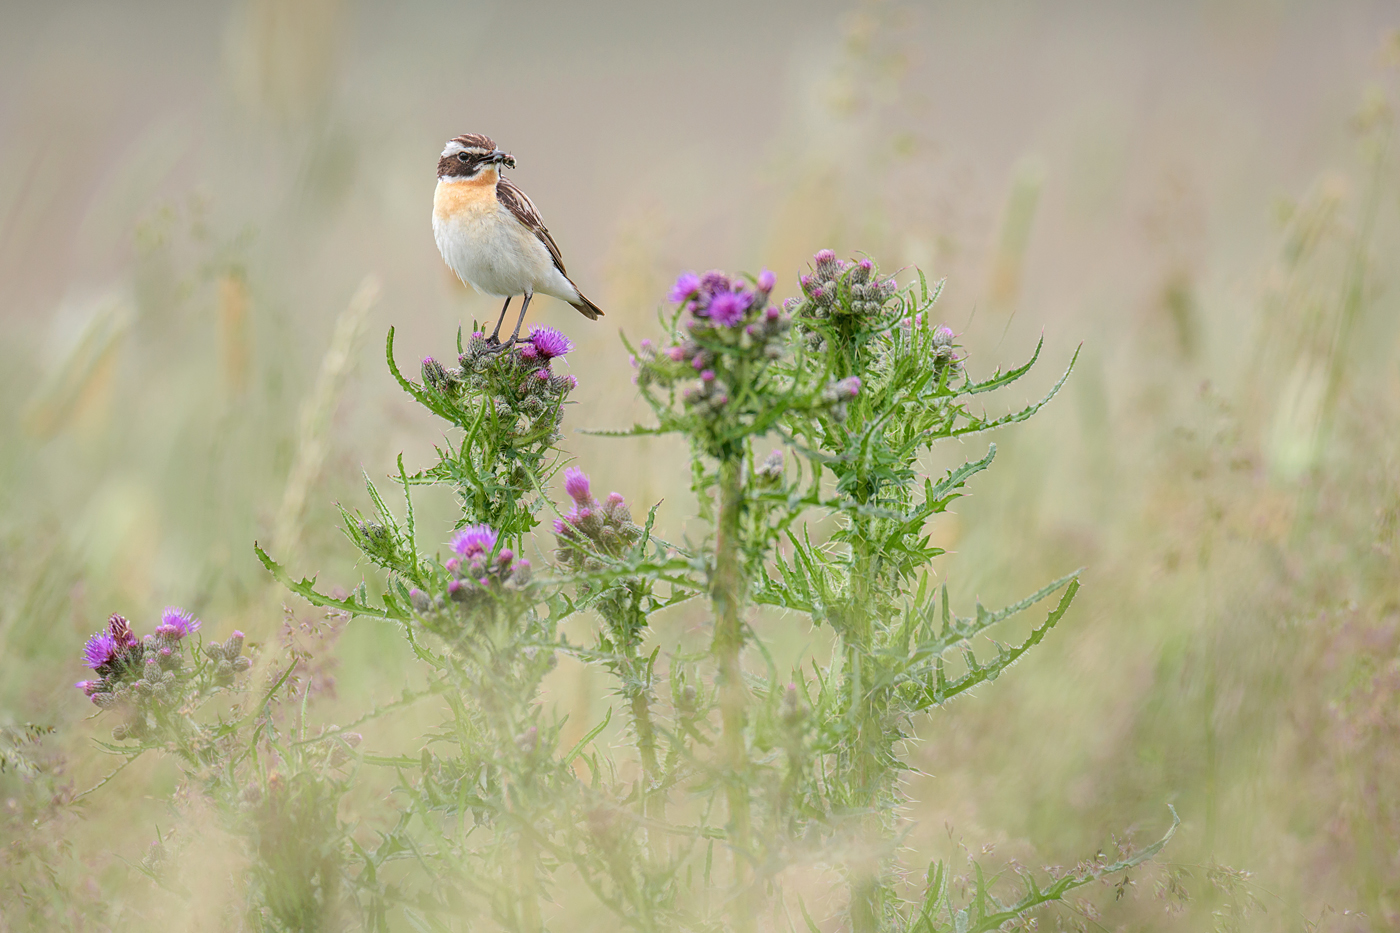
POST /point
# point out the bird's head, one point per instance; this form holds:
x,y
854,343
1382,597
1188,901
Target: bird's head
x,y
469,155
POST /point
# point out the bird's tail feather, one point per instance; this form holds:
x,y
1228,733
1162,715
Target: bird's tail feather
x,y
587,308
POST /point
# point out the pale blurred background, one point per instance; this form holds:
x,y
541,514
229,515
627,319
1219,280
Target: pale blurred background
x,y
210,215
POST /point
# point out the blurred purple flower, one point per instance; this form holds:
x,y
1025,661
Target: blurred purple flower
x,y
101,649
686,286
474,540
576,484
767,279
549,342
727,308
177,622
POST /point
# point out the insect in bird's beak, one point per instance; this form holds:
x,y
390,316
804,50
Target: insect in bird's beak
x,y
499,156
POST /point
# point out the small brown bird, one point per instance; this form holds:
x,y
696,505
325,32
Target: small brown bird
x,y
492,236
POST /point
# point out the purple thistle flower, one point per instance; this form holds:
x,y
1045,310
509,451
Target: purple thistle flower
x,y
707,376
474,540
686,286
576,484
559,526
89,687
767,279
824,255
101,649
714,282
728,308
549,342
177,623
528,351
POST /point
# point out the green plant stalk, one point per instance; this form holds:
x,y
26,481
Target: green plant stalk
x,y
866,768
727,595
653,797
529,894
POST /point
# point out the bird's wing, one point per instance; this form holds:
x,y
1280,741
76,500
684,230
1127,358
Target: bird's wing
x,y
524,210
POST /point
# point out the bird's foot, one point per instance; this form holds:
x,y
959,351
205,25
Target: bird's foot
x,y
495,346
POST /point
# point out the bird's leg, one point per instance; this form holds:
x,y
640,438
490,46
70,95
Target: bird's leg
x,y
515,335
496,334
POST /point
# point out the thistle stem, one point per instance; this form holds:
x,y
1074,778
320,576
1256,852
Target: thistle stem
x,y
727,594
653,798
866,767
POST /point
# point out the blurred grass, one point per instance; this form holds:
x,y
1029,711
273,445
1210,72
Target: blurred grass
x,y
1204,196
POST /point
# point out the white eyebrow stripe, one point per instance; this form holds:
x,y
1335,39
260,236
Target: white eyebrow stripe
x,y
452,146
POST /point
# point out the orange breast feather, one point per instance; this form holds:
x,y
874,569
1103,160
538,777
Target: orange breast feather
x,y
461,199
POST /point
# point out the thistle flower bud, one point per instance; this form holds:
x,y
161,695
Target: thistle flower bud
x,y
434,375
770,471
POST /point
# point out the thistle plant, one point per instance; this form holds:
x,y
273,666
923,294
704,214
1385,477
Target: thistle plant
x,y
274,795
151,683
807,423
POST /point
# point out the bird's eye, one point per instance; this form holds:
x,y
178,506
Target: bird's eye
x,y
463,157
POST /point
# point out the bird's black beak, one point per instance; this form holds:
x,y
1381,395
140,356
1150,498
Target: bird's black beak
x,y
500,156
